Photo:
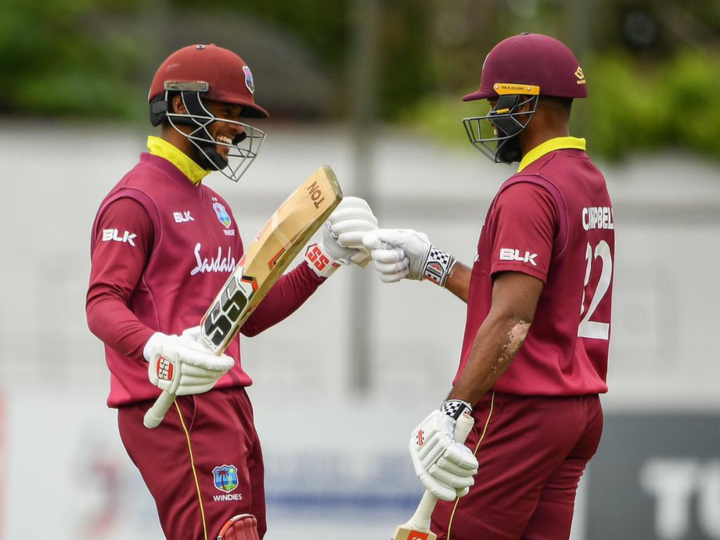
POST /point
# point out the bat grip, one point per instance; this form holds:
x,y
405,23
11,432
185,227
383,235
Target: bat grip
x,y
156,413
420,520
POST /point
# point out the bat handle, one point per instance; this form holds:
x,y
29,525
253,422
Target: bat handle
x,y
156,413
420,520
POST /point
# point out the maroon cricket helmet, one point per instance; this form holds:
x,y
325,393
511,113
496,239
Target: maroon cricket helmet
x,y
217,73
542,64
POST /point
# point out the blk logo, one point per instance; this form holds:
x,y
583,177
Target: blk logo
x,y
507,254
182,217
114,235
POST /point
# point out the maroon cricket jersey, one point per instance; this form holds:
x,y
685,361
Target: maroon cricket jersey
x,y
552,220
162,248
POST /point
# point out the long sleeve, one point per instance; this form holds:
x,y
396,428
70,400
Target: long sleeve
x,y
287,295
123,239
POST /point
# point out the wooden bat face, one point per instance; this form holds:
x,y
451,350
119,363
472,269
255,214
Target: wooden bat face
x,y
269,255
265,260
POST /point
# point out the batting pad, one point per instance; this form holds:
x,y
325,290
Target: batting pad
x,y
240,527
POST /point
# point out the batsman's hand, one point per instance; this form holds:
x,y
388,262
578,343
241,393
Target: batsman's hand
x,y
405,253
445,467
342,235
181,365
348,224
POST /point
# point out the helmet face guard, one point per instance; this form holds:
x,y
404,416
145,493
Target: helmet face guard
x,y
244,148
516,72
211,73
507,122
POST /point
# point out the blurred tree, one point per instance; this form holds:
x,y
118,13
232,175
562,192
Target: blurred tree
x,y
51,63
94,58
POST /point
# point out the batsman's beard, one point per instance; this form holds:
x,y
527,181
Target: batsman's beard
x,y
509,150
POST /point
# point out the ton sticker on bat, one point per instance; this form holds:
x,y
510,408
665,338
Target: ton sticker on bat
x,y
315,194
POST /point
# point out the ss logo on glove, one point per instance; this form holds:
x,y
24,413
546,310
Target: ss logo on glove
x,y
316,257
164,369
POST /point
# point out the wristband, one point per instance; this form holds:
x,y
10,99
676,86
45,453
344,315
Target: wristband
x,y
438,266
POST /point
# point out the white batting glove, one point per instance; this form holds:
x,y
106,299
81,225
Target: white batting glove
x,y
183,366
405,253
348,224
444,467
342,234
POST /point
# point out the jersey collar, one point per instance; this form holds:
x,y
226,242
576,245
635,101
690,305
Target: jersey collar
x,y
161,147
558,143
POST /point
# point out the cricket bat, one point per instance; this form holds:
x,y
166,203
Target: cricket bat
x,y
264,261
418,526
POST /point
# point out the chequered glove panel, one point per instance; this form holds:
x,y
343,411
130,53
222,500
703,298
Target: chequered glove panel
x,y
454,408
438,266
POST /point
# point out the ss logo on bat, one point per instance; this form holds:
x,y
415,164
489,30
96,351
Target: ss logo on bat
x,y
227,310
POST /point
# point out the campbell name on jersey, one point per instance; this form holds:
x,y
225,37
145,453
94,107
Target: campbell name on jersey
x,y
554,221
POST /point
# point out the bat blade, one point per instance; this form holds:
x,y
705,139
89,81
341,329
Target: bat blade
x,y
265,260
418,526
269,255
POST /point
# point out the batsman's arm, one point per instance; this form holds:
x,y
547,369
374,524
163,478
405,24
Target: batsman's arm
x,y
116,269
514,299
458,282
290,292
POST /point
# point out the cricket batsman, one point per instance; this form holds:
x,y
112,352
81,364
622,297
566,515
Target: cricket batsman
x,y
535,351
163,244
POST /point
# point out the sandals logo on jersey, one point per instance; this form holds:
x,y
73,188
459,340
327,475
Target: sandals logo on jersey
x,y
225,478
218,263
221,213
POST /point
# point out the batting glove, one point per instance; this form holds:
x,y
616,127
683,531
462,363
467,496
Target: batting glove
x,y
342,234
444,467
348,224
405,253
181,365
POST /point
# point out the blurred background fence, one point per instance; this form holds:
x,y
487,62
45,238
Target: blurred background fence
x,y
372,88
